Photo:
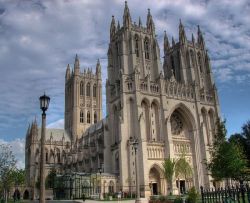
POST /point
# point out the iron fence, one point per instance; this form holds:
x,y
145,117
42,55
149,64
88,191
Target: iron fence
x,y
238,194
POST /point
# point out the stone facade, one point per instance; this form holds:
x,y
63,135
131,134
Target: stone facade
x,y
170,109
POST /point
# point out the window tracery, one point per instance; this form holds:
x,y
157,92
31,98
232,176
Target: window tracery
x,y
176,124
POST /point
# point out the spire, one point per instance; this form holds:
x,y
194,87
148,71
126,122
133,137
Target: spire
x,y
150,23
126,17
182,34
67,75
166,42
140,24
112,28
98,68
193,39
200,39
28,131
118,25
76,66
173,42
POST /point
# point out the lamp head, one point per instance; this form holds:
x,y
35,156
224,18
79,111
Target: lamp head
x,y
44,102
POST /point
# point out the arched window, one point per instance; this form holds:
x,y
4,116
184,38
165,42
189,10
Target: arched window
x,y
146,47
88,117
199,62
136,46
88,89
46,157
94,90
172,65
81,117
81,89
95,117
58,156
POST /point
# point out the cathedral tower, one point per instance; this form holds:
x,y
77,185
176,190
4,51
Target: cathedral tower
x,y
83,98
167,111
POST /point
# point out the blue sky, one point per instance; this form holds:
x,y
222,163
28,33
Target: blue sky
x,y
39,38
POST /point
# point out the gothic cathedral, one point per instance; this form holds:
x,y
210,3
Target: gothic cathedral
x,y
170,109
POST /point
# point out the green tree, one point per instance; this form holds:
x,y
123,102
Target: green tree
x,y
49,183
182,169
169,167
7,165
227,158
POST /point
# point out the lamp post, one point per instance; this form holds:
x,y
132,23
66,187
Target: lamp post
x,y
100,171
44,105
134,143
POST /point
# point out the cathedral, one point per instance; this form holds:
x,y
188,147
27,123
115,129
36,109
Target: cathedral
x,y
169,109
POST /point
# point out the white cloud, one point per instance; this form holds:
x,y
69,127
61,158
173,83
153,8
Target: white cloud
x,y
59,124
39,38
18,149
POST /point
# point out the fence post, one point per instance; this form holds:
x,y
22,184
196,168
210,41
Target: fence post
x,y
248,192
202,195
242,190
238,194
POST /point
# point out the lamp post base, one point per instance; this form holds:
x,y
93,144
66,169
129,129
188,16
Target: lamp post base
x,y
141,200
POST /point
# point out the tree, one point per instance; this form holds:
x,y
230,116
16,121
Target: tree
x,y
182,169
50,178
227,158
7,164
169,166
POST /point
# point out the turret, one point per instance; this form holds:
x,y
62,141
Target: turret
x,y
193,39
77,66
200,38
67,75
140,23
98,69
182,34
126,17
173,42
166,43
112,28
150,23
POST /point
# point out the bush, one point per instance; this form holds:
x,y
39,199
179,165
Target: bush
x,y
178,200
192,195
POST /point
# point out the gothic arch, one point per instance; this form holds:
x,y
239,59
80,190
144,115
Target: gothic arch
x,y
146,112
186,113
155,120
156,179
137,46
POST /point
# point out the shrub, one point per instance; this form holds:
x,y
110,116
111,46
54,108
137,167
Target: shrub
x,y
178,200
192,195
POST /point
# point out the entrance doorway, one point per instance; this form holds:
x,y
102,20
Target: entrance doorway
x,y
182,186
154,189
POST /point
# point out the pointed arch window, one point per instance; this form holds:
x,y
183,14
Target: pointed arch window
x,y
58,157
172,65
136,46
95,117
146,48
47,157
200,63
88,117
88,90
94,90
81,89
81,117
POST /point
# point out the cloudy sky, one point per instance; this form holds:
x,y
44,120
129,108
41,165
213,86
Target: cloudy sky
x,y
39,38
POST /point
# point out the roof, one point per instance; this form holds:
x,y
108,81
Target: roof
x,y
57,134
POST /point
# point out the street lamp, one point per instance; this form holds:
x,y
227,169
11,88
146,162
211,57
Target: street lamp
x,y
100,171
44,105
134,142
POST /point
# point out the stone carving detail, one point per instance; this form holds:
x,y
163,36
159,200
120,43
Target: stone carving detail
x,y
176,124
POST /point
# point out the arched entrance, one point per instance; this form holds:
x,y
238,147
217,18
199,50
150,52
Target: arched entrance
x,y
155,180
26,194
182,131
